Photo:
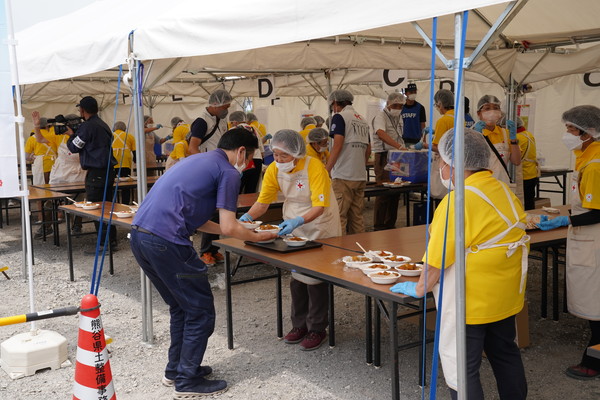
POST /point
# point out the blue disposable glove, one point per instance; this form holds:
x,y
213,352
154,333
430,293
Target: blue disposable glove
x,y
407,288
427,130
246,217
169,137
512,129
547,224
418,145
158,126
287,226
479,126
268,136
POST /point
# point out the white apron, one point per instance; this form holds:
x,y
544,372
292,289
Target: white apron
x,y
583,260
66,168
37,169
296,190
447,347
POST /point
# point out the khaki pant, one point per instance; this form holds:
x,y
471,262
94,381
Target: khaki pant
x,y
386,207
350,196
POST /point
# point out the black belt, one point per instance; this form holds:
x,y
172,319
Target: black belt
x,y
140,229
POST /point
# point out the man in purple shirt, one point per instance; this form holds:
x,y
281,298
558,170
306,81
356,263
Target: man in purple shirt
x,y
181,201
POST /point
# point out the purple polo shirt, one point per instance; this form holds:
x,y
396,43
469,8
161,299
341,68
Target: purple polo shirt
x,y
188,194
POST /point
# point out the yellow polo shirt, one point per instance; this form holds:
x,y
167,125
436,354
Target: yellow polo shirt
x,y
180,150
46,150
262,130
497,135
492,278
528,152
318,181
123,144
445,123
589,178
310,151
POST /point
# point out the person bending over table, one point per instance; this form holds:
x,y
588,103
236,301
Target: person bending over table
x,y
309,210
583,240
181,201
496,270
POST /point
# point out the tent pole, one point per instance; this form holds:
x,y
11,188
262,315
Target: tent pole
x,y
459,216
511,114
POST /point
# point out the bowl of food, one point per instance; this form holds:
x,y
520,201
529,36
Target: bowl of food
x,y
124,214
91,206
357,261
384,277
393,261
250,224
80,204
410,269
378,255
374,267
295,241
267,228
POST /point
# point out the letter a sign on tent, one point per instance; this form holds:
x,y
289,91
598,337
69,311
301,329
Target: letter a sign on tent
x,y
266,88
393,80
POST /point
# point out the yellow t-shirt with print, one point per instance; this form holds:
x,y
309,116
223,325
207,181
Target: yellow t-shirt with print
x,y
324,156
589,176
123,144
46,150
492,278
445,123
319,183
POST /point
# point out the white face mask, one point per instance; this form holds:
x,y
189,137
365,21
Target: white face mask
x,y
491,117
572,142
446,182
412,96
239,168
323,149
285,167
395,113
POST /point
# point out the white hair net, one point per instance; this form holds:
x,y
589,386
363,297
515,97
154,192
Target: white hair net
x,y
396,98
340,95
445,98
304,122
219,97
237,116
317,134
585,118
175,121
488,98
43,122
290,142
477,151
251,117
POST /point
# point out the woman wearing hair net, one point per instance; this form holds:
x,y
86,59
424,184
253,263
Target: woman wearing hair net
x,y
307,124
583,240
309,210
496,270
318,144
180,144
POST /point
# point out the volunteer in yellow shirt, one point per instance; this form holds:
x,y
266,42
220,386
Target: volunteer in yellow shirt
x,y
318,144
583,238
180,145
309,210
496,270
531,170
262,130
307,124
45,153
444,103
123,146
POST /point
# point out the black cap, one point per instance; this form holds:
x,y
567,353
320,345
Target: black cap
x,y
89,104
412,87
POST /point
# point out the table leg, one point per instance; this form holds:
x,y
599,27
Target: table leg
x,y
55,222
331,316
111,265
544,300
564,188
228,302
377,347
279,306
394,350
555,283
69,246
369,329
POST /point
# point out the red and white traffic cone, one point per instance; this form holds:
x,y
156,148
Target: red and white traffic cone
x,y
93,379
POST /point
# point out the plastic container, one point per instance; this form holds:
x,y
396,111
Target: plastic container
x,y
409,165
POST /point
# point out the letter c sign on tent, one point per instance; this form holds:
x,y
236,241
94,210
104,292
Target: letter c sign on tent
x,y
392,79
266,88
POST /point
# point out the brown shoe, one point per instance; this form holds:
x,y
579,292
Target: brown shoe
x,y
582,373
295,335
313,340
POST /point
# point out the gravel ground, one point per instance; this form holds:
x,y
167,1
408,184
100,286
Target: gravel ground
x,y
260,366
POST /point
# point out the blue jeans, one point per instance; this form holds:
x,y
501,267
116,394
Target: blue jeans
x,y
181,279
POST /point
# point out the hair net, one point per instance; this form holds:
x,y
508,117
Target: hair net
x,y
319,120
237,116
307,121
488,98
317,134
251,117
396,98
290,142
445,98
585,118
339,96
175,121
477,151
43,122
146,118
120,126
219,97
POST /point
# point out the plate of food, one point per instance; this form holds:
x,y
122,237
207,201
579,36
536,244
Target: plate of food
x,y
409,269
267,228
124,214
378,254
91,206
532,221
80,204
295,241
384,277
393,261
374,267
357,261
250,224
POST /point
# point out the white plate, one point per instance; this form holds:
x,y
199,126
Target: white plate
x,y
356,264
80,204
267,230
384,280
124,214
295,243
92,206
374,267
405,272
392,263
250,225
267,241
374,254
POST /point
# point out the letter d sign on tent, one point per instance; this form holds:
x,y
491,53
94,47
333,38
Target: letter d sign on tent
x,y
392,79
266,88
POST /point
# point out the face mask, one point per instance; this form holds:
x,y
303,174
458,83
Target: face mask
x,y
323,149
572,142
395,113
239,168
446,182
491,117
412,96
285,167
222,114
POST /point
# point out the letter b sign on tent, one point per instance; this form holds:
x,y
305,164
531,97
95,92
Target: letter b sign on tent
x,y
392,80
266,88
